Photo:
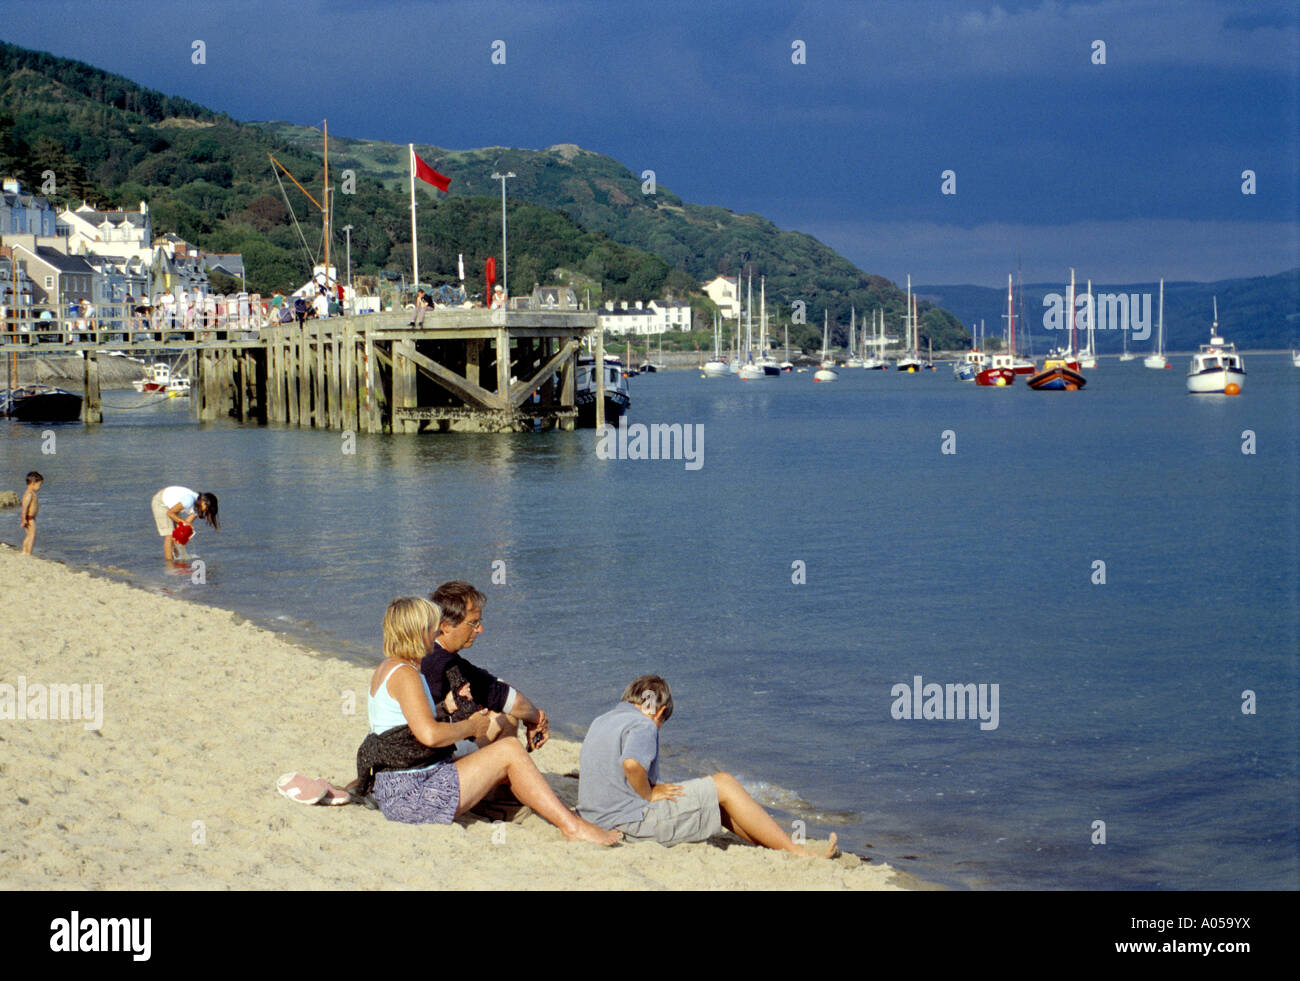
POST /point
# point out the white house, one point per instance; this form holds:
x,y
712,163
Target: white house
x,y
124,234
725,292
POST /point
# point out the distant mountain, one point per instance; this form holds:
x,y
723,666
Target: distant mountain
x,y
1260,312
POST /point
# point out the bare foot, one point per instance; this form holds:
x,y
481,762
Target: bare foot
x,y
586,831
829,851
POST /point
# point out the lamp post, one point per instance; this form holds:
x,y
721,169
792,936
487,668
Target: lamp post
x,y
347,230
505,275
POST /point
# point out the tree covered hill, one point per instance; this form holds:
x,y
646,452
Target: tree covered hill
x,y
575,216
701,241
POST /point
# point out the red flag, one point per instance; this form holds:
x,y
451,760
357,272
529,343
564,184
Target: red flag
x,y
490,275
429,175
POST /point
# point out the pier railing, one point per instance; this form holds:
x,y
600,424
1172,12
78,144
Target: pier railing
x,y
459,370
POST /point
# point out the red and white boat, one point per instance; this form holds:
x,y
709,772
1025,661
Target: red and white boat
x,y
1001,370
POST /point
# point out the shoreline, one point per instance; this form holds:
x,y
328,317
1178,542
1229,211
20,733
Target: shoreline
x,y
201,710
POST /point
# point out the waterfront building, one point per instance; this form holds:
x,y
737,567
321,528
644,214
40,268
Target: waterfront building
x,y
725,292
25,214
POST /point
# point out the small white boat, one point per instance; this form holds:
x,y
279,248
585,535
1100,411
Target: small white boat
x,y
1217,368
827,372
1295,358
156,378
1158,360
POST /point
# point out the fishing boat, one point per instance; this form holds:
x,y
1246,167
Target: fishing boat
x,y
998,374
1216,368
41,403
1157,360
1057,376
827,372
1061,368
1000,369
971,364
617,399
156,377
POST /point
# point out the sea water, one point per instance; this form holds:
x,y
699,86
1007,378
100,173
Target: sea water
x,y
1111,560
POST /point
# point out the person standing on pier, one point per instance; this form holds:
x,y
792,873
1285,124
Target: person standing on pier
x,y
167,506
461,607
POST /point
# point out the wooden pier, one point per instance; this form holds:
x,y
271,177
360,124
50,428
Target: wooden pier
x,y
462,370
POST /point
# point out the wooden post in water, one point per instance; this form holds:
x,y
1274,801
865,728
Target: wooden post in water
x,y
92,408
403,386
568,387
473,361
371,403
334,395
600,379
503,372
349,368
304,376
319,419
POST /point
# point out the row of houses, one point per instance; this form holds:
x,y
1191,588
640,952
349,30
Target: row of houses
x,y
51,261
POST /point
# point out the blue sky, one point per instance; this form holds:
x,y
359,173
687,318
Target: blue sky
x,y
1128,171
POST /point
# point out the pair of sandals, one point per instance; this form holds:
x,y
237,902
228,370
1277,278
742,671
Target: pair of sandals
x,y
303,789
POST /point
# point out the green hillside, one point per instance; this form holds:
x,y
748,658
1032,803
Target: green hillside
x,y
603,196
575,216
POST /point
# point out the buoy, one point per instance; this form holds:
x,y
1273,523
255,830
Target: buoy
x,y
1232,388
1001,382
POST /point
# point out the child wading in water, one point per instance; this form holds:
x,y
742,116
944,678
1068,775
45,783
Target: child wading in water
x,y
167,506
619,783
29,508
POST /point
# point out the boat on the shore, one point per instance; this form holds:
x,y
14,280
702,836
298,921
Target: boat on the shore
x,y
41,403
617,399
1217,368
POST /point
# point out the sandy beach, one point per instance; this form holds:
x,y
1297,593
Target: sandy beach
x,y
160,772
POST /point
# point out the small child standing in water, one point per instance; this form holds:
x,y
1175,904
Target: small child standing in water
x,y
30,506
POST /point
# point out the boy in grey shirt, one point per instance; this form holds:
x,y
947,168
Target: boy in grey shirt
x,y
619,786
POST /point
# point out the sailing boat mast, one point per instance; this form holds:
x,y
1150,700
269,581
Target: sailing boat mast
x,y
1011,317
325,124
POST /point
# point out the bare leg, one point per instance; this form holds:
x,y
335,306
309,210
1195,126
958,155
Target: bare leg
x,y
167,548
30,538
506,761
743,815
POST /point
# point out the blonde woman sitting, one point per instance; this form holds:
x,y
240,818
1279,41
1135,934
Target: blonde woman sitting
x,y
407,755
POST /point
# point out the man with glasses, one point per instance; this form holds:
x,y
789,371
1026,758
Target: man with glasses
x,y
459,687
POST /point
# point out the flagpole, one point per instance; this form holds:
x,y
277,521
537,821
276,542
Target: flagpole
x,y
415,249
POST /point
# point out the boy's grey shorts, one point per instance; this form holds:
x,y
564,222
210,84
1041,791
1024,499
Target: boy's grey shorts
x,y
694,816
